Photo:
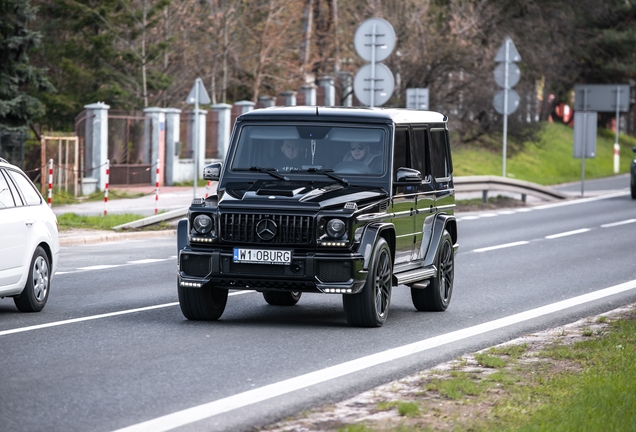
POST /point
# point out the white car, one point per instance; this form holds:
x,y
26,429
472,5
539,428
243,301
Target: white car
x,y
29,241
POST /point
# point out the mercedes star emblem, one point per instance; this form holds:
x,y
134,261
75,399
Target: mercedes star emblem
x,y
266,229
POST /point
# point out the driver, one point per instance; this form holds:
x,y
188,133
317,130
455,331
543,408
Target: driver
x,y
293,157
361,152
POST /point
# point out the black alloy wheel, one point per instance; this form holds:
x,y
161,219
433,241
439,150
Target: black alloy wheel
x,y
202,304
370,307
437,296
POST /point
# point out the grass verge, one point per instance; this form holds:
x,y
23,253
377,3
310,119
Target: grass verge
x,y
581,377
68,221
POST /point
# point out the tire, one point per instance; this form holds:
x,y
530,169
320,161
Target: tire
x,y
633,187
36,291
281,298
202,304
436,297
370,307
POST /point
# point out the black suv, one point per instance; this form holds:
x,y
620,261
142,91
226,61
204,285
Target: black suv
x,y
348,201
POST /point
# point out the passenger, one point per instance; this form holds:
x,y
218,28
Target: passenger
x,y
361,152
293,157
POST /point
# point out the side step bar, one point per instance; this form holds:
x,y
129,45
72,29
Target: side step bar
x,y
416,275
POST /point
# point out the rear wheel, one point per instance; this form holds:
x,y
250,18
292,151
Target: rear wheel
x,y
281,298
370,307
437,295
36,291
205,303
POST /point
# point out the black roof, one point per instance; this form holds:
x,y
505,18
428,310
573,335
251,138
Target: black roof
x,y
396,115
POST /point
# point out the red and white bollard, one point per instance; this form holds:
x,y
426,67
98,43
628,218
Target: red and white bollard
x,y
50,181
106,187
207,189
617,150
157,188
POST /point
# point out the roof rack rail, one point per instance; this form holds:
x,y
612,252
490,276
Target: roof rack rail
x,y
3,160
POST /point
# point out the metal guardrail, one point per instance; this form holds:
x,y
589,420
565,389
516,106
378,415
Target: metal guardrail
x,y
496,183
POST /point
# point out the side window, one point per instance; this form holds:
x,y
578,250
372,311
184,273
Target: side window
x,y
418,151
439,154
31,195
6,197
400,149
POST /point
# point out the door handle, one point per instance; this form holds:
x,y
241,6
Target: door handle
x,y
29,222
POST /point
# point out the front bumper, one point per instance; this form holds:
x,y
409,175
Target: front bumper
x,y
325,272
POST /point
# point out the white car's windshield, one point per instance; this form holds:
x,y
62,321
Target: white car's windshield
x,y
290,149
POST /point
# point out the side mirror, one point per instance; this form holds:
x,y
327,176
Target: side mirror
x,y
212,172
408,176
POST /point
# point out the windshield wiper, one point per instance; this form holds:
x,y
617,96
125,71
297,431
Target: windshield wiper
x,y
340,180
270,171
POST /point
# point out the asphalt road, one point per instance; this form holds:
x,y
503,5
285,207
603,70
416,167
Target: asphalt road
x,y
112,350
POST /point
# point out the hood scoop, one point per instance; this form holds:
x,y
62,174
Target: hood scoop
x,y
288,192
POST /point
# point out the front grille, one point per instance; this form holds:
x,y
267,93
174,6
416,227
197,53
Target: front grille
x,y
333,271
195,265
239,228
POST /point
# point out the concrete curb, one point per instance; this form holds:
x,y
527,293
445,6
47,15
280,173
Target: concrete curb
x,y
107,236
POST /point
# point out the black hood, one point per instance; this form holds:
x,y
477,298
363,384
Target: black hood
x,y
266,194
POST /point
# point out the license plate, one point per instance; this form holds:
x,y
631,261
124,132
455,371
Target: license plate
x,y
262,256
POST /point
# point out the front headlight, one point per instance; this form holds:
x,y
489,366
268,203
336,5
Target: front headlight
x,y
336,228
203,224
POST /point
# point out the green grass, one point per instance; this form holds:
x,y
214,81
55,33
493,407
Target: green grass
x,y
548,161
60,197
585,386
72,220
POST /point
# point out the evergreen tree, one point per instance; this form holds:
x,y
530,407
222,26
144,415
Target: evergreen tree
x,y
17,76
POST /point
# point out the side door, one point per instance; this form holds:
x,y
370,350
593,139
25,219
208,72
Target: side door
x,y
441,170
402,201
425,199
13,232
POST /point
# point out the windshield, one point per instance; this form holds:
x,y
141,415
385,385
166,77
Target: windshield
x,y
303,148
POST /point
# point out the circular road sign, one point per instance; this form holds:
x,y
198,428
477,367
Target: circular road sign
x,y
513,101
384,84
514,73
384,39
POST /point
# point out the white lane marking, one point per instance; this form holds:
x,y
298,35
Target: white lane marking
x,y
240,400
148,261
100,267
94,317
502,246
567,233
542,207
625,222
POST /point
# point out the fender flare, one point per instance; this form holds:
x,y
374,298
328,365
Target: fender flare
x,y
370,237
443,222
182,234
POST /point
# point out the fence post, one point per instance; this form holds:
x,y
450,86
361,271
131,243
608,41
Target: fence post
x,y
50,181
96,144
225,115
106,187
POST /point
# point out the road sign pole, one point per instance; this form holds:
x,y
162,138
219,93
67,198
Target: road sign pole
x,y
505,125
617,148
195,135
584,143
373,46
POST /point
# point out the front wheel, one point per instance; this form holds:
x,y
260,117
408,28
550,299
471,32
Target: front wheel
x,y
204,304
437,296
281,298
36,291
370,307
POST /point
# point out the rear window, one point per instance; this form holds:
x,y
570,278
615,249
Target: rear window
x,y
31,195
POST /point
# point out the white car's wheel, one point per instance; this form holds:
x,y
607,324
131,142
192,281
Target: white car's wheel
x,y
36,292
